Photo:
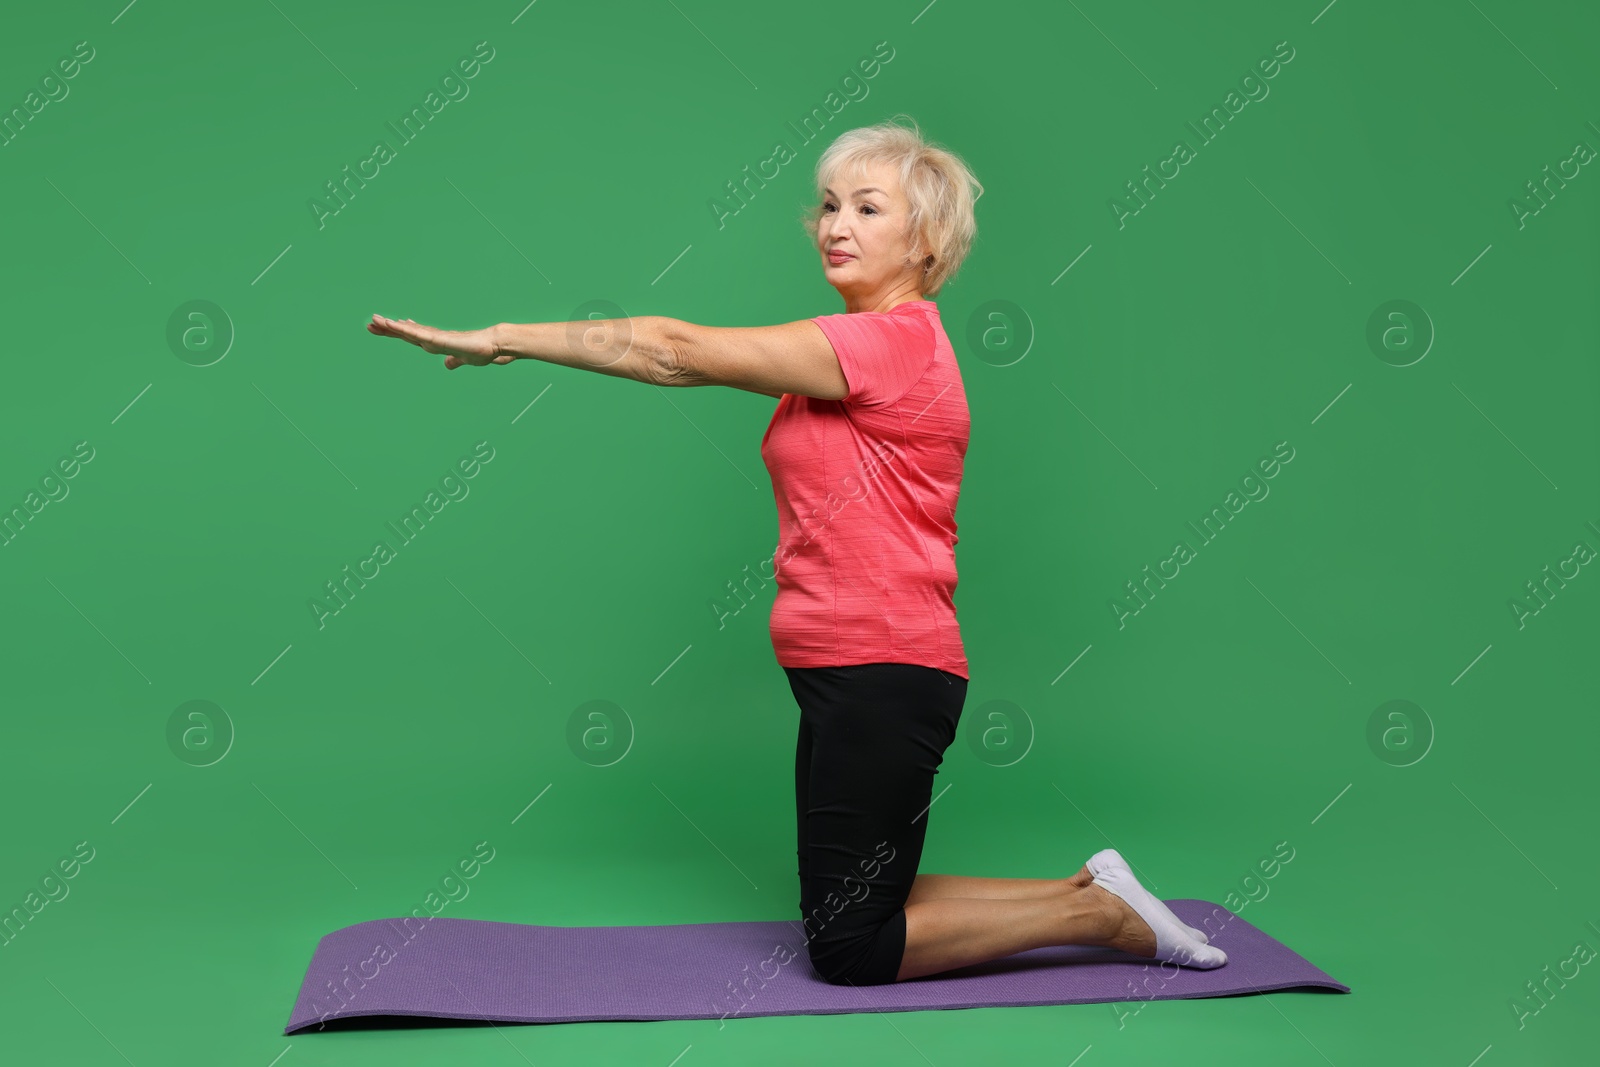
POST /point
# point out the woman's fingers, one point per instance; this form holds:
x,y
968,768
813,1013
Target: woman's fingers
x,y
426,336
389,328
458,347
405,330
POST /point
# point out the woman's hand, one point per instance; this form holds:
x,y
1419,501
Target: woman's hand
x,y
476,347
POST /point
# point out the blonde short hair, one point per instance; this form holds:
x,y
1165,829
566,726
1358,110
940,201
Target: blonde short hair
x,y
935,182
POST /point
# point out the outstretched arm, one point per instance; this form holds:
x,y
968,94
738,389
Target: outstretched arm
x,y
793,357
623,348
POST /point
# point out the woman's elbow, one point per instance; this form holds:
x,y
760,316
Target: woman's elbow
x,y
668,351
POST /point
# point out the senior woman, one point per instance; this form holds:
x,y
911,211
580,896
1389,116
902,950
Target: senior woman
x,y
865,453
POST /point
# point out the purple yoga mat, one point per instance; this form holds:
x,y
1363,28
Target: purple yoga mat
x,y
507,972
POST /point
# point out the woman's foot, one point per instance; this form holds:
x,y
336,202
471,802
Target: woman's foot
x,y
1126,932
1139,924
1110,857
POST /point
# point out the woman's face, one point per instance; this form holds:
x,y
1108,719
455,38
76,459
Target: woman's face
x,y
862,235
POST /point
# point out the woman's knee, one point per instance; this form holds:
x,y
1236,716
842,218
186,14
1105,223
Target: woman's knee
x,y
842,966
858,957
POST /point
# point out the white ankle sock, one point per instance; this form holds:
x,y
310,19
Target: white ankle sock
x,y
1173,943
1110,857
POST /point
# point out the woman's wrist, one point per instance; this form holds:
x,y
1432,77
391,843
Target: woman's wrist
x,y
497,341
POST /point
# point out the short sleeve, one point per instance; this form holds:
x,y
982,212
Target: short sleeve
x,y
882,353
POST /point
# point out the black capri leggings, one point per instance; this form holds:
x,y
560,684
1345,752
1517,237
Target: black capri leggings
x,y
872,737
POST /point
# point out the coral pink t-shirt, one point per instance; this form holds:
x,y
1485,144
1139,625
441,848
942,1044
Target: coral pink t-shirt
x,y
866,489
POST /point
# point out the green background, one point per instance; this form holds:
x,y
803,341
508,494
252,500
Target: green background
x,y
1436,872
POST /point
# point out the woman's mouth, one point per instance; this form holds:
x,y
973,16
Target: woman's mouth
x,y
839,257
